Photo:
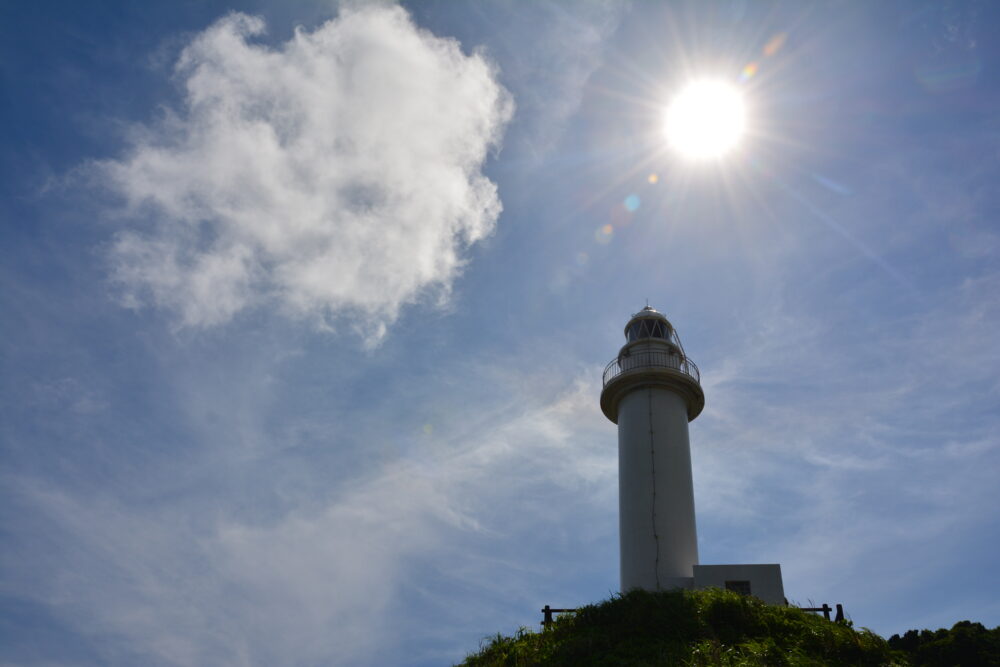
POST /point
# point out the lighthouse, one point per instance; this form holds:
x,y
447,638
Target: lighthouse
x,y
652,390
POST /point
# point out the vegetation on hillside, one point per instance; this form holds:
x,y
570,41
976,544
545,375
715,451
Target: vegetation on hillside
x,y
967,644
715,627
692,628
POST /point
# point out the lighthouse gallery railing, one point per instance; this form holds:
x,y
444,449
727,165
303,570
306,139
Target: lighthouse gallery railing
x,y
650,359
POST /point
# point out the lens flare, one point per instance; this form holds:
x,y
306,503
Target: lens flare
x,y
604,233
775,43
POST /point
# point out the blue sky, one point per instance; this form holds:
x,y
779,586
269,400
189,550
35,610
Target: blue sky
x,y
305,309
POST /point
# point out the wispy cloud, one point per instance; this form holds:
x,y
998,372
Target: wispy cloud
x,y
548,59
458,526
336,176
873,447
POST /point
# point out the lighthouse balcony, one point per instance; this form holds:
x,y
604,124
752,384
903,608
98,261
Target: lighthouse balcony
x,y
648,360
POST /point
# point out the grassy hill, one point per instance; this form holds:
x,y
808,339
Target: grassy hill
x,y
711,627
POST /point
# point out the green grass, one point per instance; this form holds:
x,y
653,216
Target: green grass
x,y
693,628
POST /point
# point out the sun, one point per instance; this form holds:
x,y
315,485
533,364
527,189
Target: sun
x,y
705,120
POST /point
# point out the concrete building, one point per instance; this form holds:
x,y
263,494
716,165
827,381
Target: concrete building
x,y
651,391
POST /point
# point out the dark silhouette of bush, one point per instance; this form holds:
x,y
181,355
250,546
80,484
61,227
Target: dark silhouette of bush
x,y
967,644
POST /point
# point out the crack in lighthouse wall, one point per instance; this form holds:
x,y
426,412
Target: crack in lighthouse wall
x,y
654,468
652,479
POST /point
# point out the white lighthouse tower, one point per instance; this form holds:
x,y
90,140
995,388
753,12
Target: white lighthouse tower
x,y
652,390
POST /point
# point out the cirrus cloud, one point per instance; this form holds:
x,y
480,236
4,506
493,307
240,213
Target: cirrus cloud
x,y
337,176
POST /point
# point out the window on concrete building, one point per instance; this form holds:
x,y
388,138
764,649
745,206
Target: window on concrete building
x,y
741,587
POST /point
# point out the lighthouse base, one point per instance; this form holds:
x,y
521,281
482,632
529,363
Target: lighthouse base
x,y
761,581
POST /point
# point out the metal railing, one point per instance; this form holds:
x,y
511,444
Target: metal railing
x,y
547,613
826,609
639,361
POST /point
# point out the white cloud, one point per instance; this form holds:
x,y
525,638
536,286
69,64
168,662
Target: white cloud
x,y
337,176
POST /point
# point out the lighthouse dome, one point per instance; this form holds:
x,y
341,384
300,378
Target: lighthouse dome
x,y
648,323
